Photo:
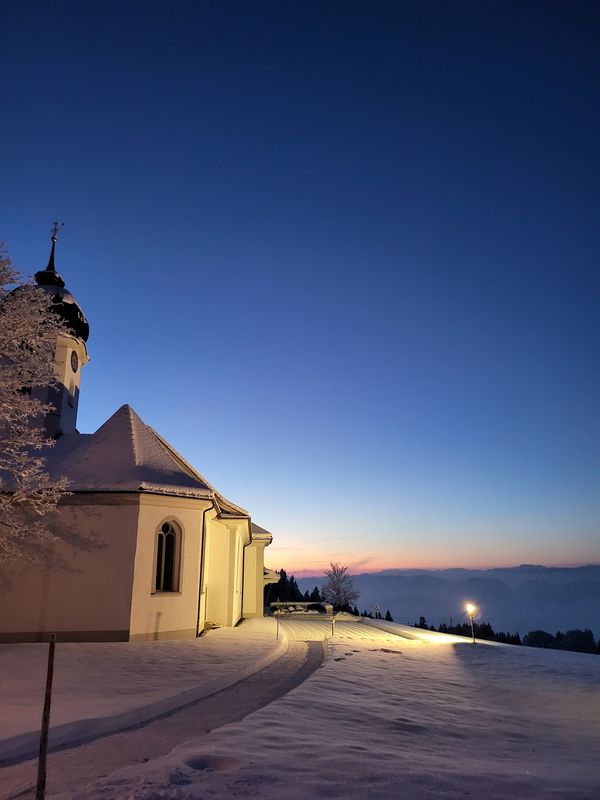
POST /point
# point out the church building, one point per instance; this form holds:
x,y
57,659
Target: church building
x,y
147,547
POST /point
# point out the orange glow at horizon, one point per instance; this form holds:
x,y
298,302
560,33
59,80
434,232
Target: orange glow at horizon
x,y
305,547
316,565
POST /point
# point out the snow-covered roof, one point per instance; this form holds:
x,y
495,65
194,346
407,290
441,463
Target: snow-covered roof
x,y
126,455
261,533
270,576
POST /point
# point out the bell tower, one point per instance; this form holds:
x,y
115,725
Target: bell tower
x,y
71,351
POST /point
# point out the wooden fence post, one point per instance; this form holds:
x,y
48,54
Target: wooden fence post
x,y
40,792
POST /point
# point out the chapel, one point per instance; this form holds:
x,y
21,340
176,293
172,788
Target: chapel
x,y
146,547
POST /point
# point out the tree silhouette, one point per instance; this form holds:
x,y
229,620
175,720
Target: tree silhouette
x,y
315,595
579,641
285,590
539,639
339,589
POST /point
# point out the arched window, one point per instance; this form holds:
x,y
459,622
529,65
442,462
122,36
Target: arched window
x,y
167,559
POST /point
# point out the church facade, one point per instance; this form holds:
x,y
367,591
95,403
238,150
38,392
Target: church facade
x,y
146,547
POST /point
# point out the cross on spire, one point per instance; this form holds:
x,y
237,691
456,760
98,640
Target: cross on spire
x,y
56,226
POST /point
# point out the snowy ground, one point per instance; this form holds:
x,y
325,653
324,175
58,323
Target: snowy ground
x,y
102,687
391,717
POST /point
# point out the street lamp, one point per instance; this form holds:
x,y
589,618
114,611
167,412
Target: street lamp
x,y
471,609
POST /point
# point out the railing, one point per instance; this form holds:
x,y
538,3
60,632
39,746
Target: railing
x,y
281,607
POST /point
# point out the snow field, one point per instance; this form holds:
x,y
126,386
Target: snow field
x,y
389,717
103,687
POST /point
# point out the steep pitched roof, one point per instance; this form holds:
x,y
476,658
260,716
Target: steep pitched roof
x,y
225,506
126,455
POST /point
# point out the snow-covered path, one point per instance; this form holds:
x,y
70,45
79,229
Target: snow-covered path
x,y
348,627
299,629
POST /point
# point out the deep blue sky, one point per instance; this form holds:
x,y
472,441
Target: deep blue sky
x,y
343,255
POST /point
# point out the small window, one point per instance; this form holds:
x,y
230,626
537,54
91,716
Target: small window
x,y
167,559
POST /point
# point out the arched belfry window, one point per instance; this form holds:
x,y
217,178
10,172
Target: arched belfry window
x,y
167,558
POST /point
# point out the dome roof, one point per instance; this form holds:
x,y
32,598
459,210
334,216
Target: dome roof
x,y
63,301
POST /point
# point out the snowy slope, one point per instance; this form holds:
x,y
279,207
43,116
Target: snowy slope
x,y
389,717
108,686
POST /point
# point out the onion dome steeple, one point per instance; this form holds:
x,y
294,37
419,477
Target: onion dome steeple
x,y
63,301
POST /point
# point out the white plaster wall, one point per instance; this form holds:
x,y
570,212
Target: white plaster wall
x,y
109,592
85,588
250,557
156,615
238,571
218,576
223,576
65,396
253,579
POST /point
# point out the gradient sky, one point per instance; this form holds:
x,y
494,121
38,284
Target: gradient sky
x,y
343,255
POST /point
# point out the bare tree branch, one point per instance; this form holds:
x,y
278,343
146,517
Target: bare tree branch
x,y
28,334
339,589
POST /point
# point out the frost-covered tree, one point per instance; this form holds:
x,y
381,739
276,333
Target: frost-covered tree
x,y
339,589
28,334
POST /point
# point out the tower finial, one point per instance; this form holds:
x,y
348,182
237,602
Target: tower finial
x,y
56,226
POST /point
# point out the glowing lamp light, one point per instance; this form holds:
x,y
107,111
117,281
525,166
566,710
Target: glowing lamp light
x,y
471,609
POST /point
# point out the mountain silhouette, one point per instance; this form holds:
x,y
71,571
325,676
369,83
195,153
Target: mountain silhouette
x,y
523,598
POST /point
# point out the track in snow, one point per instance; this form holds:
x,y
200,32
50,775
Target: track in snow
x,y
315,629
76,766
73,768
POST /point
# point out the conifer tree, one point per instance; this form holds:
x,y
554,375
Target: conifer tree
x,y
294,590
281,588
315,595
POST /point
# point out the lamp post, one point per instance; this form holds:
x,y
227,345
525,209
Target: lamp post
x,y
471,609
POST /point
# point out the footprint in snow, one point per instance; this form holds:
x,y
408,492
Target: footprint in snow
x,y
216,763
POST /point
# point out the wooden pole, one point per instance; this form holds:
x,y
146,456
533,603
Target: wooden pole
x,y
277,628
43,754
332,626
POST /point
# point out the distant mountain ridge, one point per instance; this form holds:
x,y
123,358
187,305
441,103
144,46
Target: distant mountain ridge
x,y
523,598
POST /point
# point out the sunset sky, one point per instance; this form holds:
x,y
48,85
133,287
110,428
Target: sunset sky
x,y
342,255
